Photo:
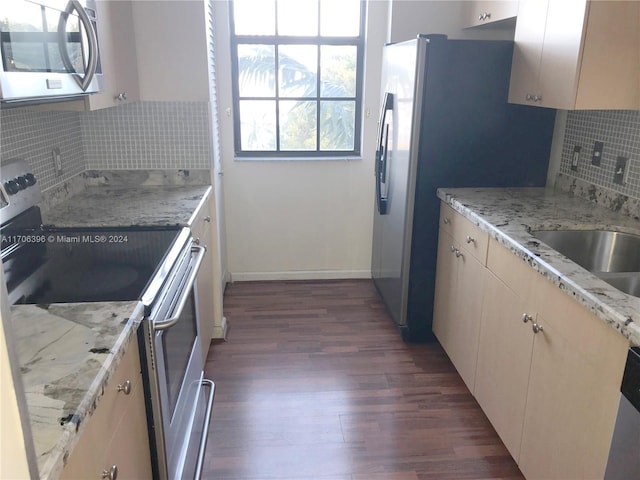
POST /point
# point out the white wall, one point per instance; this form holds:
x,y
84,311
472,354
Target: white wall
x,y
300,219
314,219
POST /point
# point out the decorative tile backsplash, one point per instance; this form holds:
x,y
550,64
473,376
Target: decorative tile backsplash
x,y
147,135
619,131
142,135
32,135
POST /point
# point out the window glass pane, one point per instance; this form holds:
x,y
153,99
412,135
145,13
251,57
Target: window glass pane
x,y
254,17
298,67
337,125
258,124
256,70
340,18
297,125
298,17
338,71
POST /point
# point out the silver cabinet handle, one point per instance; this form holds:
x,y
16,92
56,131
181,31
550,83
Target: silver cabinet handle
x,y
121,96
125,387
527,318
470,239
196,241
484,16
453,249
459,254
111,474
537,328
207,219
446,221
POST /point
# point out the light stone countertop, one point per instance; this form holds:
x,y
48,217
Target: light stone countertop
x,y
124,206
67,354
508,214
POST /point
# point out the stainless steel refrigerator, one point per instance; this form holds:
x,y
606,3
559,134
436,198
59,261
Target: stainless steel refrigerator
x,y
444,122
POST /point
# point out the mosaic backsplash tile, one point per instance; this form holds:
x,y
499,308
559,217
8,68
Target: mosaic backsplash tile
x,y
619,130
147,135
32,135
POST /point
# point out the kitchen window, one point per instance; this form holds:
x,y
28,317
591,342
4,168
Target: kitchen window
x,y
297,69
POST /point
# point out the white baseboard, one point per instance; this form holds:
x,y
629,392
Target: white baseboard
x,y
300,275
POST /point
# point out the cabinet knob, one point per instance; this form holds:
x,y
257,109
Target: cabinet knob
x,y
196,241
207,219
446,221
121,96
527,318
453,248
459,254
537,328
470,239
484,16
111,474
125,388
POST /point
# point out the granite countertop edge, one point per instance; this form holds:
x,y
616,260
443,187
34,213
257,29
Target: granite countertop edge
x,y
73,429
620,311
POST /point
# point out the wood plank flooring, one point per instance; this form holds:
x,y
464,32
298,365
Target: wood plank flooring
x,y
314,382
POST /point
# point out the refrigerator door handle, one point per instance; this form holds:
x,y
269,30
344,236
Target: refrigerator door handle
x,y
382,189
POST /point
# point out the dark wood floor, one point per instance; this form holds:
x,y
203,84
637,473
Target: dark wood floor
x,y
315,383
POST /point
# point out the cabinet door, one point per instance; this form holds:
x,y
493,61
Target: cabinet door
x,y
117,55
484,12
573,392
504,359
527,51
201,231
445,292
560,64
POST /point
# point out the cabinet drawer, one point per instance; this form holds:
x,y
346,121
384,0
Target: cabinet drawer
x,y
465,234
512,270
109,411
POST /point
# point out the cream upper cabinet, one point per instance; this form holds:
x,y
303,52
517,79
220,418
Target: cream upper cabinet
x,y
462,250
476,13
117,55
550,384
577,54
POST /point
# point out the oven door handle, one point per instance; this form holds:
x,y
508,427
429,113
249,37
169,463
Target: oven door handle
x,y
171,321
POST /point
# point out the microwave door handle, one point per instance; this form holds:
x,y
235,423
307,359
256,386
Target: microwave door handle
x,y
92,64
171,321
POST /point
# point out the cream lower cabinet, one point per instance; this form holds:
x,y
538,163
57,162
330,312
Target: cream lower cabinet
x,y
201,232
550,385
459,290
115,438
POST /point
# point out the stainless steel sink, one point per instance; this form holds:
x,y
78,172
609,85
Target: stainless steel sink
x,y
613,256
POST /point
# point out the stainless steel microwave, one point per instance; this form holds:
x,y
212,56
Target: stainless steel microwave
x,y
48,49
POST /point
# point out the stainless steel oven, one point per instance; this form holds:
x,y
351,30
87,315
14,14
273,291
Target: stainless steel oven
x,y
174,361
48,48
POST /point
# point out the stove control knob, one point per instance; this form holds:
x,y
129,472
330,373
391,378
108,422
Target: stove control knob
x,y
22,182
30,178
12,187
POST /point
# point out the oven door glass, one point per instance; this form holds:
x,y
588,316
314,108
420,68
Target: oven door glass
x,y
178,344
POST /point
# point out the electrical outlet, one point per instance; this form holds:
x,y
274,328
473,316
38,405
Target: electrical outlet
x,y
596,155
622,170
57,160
576,157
